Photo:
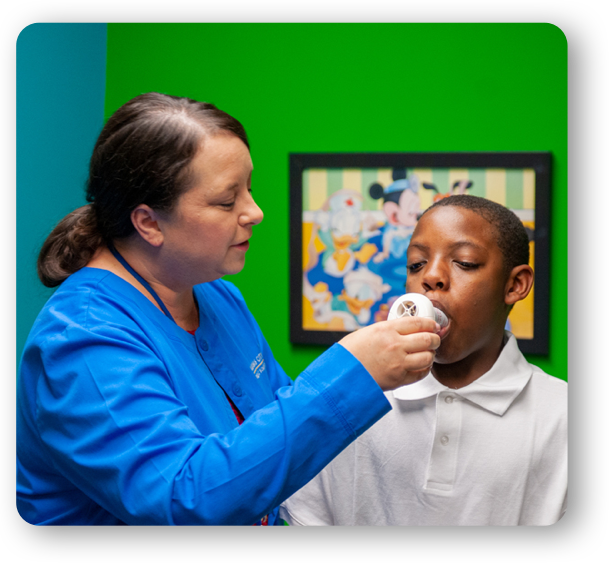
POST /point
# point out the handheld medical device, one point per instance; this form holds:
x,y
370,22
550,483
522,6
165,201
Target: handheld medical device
x,y
416,305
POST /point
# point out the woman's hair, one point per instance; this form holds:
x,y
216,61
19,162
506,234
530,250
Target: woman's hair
x,y
510,233
142,156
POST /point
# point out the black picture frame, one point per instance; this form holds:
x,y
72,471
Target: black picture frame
x,y
519,170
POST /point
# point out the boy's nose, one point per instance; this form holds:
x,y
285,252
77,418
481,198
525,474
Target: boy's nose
x,y
435,278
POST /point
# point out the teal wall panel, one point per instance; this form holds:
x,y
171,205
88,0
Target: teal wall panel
x,y
60,103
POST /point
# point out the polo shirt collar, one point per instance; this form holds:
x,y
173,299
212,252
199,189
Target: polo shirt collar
x,y
494,391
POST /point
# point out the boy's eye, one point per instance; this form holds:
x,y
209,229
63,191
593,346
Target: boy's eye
x,y
467,265
414,267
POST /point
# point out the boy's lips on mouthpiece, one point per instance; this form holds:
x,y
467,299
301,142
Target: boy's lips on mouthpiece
x,y
445,329
441,318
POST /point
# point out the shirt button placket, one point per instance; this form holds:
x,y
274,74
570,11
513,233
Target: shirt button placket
x,y
442,463
445,439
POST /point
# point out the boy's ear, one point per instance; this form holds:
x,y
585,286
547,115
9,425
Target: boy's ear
x,y
519,284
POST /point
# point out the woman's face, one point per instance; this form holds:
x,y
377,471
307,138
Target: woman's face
x,y
206,234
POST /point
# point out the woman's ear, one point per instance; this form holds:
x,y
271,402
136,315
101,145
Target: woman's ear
x,y
519,284
145,221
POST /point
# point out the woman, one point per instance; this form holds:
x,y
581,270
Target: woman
x,y
147,393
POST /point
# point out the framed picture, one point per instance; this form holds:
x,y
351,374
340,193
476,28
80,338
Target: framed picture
x,y
352,216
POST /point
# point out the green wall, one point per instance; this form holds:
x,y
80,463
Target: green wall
x,y
351,87
359,87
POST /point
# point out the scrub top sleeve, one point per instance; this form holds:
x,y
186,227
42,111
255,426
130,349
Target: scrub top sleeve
x,y
111,422
283,445
113,425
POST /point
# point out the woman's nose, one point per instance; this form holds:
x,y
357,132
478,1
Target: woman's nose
x,y
252,214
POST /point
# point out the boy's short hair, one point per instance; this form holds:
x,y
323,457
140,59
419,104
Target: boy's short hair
x,y
511,236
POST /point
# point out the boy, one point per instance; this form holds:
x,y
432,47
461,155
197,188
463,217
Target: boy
x,y
482,439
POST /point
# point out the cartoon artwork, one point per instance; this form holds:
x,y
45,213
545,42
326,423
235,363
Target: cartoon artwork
x,y
401,205
459,187
339,288
351,308
340,227
356,228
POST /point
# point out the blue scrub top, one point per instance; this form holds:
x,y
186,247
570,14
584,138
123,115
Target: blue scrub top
x,y
122,417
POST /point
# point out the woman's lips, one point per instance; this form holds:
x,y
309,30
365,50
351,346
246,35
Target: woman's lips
x,y
242,246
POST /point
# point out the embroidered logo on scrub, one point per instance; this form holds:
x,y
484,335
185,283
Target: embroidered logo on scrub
x,y
258,366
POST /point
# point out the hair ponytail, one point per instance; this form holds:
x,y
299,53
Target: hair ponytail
x,y
69,247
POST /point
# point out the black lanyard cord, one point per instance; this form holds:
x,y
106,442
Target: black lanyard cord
x,y
141,280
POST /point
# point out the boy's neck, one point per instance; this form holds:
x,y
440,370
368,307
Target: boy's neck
x,y
466,371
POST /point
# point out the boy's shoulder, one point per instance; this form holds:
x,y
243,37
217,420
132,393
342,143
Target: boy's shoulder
x,y
553,388
548,379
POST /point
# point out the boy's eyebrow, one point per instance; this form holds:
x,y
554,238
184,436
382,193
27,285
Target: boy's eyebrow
x,y
453,246
461,243
418,245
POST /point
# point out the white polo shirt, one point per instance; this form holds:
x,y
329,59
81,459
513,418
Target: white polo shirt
x,y
491,453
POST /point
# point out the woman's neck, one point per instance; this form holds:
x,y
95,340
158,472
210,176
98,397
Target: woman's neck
x,y
179,302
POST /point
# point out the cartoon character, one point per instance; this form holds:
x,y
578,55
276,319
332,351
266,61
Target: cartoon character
x,y
320,299
459,188
342,228
362,290
401,205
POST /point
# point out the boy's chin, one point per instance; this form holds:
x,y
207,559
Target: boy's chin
x,y
445,355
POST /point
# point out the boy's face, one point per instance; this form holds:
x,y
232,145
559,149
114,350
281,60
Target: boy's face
x,y
454,259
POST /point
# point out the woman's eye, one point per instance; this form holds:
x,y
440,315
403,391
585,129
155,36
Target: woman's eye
x,y
228,205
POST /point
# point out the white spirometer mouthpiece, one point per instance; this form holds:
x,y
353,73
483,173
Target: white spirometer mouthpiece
x,y
416,305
